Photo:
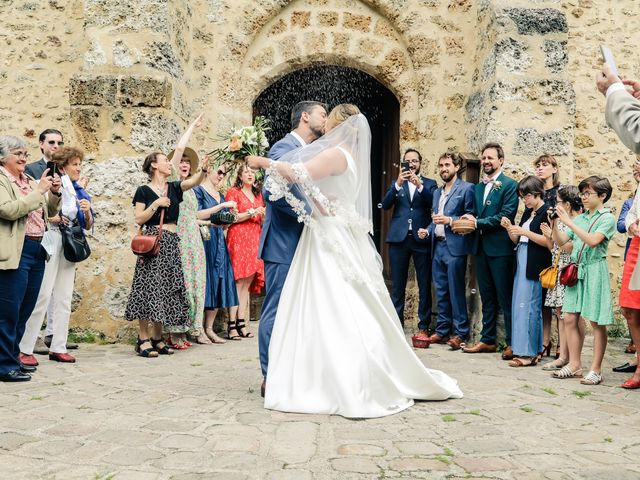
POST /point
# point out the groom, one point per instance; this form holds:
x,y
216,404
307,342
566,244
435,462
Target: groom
x,y
281,230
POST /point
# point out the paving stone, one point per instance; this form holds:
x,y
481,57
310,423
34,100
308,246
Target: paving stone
x,y
11,441
484,464
417,464
289,475
355,464
183,442
418,448
130,438
361,449
131,456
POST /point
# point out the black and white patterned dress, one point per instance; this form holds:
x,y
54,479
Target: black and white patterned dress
x,y
158,292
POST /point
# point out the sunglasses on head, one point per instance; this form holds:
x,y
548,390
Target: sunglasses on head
x,y
54,142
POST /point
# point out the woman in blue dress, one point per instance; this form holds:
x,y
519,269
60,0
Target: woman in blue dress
x,y
221,288
533,256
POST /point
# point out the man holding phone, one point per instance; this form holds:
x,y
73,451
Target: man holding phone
x,y
622,109
50,140
411,197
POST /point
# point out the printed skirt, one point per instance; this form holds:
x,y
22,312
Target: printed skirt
x,y
158,292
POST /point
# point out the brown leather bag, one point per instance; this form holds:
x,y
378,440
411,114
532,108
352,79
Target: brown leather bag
x,y
145,245
569,273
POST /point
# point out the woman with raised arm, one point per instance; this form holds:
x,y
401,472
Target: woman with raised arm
x,y
158,294
337,345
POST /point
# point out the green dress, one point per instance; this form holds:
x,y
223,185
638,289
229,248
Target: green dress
x,y
193,263
591,296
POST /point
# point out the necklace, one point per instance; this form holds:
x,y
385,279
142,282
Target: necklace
x,y
159,190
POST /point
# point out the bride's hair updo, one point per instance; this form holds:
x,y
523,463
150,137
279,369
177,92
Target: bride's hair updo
x,y
341,112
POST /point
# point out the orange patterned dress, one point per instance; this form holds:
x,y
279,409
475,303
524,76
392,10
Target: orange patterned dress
x,y
243,240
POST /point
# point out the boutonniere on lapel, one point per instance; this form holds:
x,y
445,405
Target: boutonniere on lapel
x,y
497,185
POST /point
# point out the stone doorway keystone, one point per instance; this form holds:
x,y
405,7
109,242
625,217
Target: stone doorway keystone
x,y
333,84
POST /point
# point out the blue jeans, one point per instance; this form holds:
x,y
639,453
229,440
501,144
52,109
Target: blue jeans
x,y
20,288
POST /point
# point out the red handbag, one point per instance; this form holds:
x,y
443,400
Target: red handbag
x,y
145,245
569,273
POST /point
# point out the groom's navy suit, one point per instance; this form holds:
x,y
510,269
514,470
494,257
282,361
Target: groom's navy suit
x,y
278,241
409,215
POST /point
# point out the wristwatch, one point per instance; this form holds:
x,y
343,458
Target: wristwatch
x,y
251,212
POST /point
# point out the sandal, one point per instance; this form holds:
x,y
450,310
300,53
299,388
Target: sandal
x,y
213,338
230,328
566,372
555,365
174,345
592,378
147,352
523,362
241,328
164,349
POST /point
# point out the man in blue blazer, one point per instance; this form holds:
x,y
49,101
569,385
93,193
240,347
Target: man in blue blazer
x,y
410,196
281,230
449,252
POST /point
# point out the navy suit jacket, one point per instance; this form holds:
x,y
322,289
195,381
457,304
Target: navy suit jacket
x,y
458,203
281,230
36,169
406,211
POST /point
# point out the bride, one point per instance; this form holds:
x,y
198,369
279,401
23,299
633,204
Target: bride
x,y
337,345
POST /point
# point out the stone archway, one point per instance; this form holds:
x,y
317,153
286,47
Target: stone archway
x,y
332,85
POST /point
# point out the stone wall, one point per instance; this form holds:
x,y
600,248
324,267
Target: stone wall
x,y
122,79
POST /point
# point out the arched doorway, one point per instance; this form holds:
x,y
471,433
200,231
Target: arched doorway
x,y
332,85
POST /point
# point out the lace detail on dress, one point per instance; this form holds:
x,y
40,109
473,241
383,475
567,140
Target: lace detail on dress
x,y
324,207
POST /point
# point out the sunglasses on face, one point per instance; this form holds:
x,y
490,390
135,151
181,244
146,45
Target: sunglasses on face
x,y
221,172
54,142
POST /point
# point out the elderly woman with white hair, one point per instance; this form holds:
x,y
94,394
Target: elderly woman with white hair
x,y
24,209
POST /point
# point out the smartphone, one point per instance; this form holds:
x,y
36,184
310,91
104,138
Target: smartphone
x,y
607,56
404,166
52,169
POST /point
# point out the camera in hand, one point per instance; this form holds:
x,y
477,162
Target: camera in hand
x,y
553,213
404,166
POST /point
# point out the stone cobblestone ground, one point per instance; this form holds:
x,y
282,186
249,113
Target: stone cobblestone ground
x,y
198,415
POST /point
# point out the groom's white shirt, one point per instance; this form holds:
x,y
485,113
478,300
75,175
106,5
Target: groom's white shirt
x,y
299,138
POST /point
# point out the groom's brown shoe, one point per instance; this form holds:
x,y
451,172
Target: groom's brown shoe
x,y
263,388
480,347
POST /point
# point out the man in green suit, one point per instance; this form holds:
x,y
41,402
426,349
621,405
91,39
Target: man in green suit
x,y
495,197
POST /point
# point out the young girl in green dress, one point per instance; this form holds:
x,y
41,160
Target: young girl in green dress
x,y
587,239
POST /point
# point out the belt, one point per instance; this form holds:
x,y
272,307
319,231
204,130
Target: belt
x,y
440,239
32,238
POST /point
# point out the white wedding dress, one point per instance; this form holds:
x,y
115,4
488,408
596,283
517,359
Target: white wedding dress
x,y
337,345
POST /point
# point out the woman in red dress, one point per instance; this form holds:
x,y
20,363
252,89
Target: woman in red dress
x,y
243,239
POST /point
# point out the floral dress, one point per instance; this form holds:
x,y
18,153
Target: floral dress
x,y
193,263
243,240
555,296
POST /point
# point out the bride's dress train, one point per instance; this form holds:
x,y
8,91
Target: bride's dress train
x,y
337,345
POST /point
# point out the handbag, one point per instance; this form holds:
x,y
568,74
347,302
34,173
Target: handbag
x,y
205,233
223,218
569,273
146,245
549,276
74,242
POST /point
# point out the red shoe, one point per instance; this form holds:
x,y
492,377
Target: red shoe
x,y
631,384
176,346
28,360
187,343
61,357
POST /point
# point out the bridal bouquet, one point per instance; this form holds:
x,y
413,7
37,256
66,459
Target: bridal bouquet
x,y
240,142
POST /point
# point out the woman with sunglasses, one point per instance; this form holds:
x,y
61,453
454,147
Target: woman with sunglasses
x,y
158,295
24,209
587,239
221,289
